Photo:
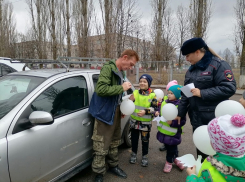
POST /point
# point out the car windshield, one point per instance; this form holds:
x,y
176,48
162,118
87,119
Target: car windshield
x,y
13,89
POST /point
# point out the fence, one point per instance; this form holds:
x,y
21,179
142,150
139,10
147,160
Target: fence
x,y
161,71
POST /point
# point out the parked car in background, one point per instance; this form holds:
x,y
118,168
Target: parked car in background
x,y
7,67
45,127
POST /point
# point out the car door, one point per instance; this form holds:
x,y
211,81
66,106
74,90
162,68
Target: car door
x,y
94,79
41,153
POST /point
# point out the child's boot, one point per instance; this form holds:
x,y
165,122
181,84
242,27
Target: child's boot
x,y
167,168
144,161
133,158
177,162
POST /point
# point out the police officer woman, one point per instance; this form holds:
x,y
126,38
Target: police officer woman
x,y
213,80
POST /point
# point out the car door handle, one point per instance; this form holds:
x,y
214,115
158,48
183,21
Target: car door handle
x,y
86,122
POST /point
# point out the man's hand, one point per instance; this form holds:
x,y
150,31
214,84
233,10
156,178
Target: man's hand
x,y
191,170
169,122
196,92
141,113
126,86
157,113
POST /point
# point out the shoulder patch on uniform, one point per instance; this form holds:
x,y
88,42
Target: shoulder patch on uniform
x,y
228,75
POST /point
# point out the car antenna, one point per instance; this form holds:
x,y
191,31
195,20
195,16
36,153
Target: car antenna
x,y
67,69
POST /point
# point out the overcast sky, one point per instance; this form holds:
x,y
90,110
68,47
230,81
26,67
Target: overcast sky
x,y
220,30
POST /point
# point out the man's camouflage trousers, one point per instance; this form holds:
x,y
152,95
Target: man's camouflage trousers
x,y
106,139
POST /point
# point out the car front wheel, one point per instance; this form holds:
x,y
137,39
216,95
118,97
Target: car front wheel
x,y
127,135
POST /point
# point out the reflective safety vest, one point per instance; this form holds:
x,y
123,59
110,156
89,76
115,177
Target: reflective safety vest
x,y
213,172
142,102
164,127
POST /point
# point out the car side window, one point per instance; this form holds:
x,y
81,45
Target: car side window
x,y
5,70
95,79
63,97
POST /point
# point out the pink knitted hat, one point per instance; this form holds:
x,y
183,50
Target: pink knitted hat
x,y
227,134
174,82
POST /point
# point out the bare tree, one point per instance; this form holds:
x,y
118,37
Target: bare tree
x,y
200,13
107,12
122,30
232,61
169,37
183,24
240,38
1,28
8,35
82,11
120,26
237,40
63,27
38,16
86,17
51,5
159,8
163,34
68,33
61,30
127,18
227,55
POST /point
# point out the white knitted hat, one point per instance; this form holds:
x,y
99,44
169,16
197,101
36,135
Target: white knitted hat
x,y
227,134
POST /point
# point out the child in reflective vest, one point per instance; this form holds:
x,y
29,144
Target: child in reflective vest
x,y
227,137
169,133
171,83
141,120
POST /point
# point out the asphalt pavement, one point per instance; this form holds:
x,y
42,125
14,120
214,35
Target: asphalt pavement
x,y
154,172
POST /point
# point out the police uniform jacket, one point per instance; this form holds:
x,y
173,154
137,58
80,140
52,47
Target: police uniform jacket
x,y
216,82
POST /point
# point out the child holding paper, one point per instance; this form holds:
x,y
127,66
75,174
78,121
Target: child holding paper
x,y
227,135
141,120
169,132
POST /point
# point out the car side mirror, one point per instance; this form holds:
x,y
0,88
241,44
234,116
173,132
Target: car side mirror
x,y
41,118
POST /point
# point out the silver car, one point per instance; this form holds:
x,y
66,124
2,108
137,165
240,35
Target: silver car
x,y
45,127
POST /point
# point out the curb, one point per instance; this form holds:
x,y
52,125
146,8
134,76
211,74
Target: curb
x,y
239,92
